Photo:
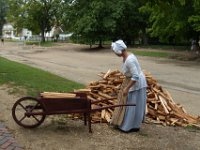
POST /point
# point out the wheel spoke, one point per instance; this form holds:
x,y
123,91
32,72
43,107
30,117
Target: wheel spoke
x,y
22,118
33,107
22,106
36,118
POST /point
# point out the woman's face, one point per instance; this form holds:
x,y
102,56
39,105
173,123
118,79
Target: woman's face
x,y
119,55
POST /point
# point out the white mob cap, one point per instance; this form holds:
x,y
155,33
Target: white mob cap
x,y
118,46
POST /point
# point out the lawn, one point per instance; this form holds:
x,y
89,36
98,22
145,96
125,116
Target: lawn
x,y
152,53
33,79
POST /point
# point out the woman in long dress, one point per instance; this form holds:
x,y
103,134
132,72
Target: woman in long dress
x,y
132,91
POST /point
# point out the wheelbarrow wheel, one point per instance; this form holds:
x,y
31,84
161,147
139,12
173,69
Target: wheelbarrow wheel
x,y
22,110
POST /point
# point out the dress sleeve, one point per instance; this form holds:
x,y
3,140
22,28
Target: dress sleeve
x,y
132,67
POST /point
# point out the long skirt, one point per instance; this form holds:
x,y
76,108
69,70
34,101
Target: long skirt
x,y
119,112
134,115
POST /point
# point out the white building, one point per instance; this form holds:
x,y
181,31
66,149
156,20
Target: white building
x,y
8,31
26,33
54,31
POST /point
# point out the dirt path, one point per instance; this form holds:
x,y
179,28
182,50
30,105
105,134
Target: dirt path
x,y
57,133
182,79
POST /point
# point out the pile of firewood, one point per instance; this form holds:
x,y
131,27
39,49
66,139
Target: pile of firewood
x,y
160,108
106,88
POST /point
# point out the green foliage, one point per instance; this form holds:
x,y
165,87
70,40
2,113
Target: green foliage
x,y
32,79
195,18
169,20
17,16
105,20
91,21
3,12
129,20
37,15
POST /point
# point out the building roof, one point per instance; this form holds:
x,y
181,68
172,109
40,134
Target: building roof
x,y
8,27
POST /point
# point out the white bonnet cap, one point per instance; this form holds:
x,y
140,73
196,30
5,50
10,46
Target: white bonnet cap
x,y
118,46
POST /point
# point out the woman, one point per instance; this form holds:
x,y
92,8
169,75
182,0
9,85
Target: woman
x,y
2,41
133,91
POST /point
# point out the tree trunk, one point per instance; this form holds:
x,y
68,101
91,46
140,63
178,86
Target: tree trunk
x,y
144,37
43,36
1,27
100,44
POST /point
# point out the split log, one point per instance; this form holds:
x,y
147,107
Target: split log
x,y
57,95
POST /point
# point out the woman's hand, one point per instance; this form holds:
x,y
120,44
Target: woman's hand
x,y
125,91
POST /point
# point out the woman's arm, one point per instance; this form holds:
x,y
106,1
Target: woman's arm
x,y
132,67
126,89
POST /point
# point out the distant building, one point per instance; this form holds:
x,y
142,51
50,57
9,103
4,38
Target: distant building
x,y
57,33
54,32
8,31
26,33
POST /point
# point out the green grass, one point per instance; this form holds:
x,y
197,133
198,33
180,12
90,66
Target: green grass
x,y
44,44
32,79
192,128
151,53
33,43
38,43
166,47
48,44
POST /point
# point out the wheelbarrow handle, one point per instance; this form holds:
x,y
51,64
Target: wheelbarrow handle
x,y
99,101
111,106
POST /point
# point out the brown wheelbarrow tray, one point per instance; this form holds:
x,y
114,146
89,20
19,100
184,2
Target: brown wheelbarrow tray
x,y
30,112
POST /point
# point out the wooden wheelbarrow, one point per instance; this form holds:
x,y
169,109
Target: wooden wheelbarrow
x,y
30,112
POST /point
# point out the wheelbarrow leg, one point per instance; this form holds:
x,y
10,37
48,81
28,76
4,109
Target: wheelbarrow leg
x,y
89,123
85,119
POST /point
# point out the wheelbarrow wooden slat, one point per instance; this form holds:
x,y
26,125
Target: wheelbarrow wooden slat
x,y
66,104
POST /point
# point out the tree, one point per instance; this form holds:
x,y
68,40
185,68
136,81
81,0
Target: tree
x,y
91,20
3,11
43,13
96,20
17,16
37,15
169,20
129,20
195,18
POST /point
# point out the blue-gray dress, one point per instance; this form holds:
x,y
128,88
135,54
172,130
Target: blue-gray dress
x,y
134,115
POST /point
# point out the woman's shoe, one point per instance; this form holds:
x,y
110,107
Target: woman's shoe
x,y
135,130
132,130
